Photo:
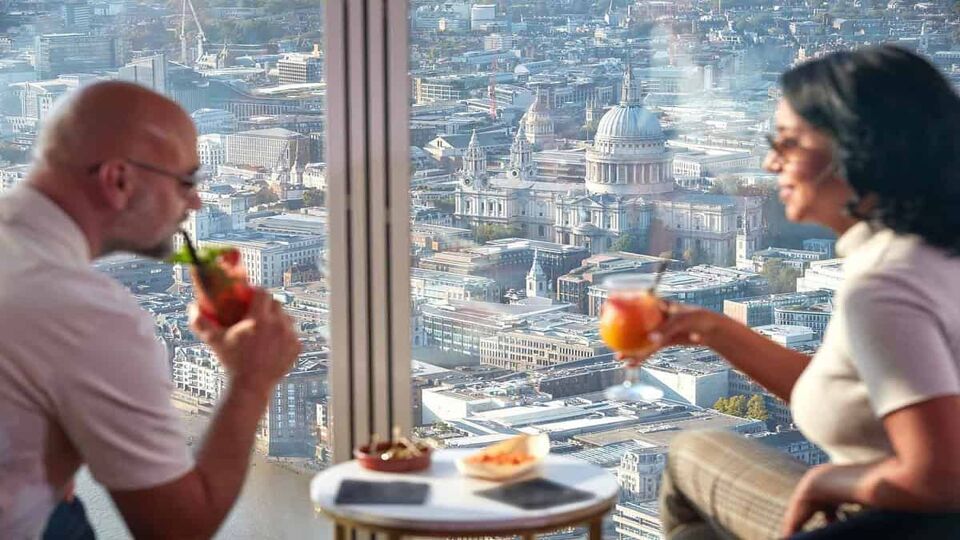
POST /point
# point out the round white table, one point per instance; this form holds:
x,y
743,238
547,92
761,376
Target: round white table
x,y
453,509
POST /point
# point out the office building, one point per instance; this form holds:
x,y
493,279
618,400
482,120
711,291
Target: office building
x,y
697,286
689,375
76,15
506,264
814,316
36,98
214,121
150,71
75,53
291,416
441,287
138,274
12,175
759,310
269,148
573,287
267,256
498,42
300,68
545,340
458,328
793,443
639,474
826,274
212,150
482,16
638,521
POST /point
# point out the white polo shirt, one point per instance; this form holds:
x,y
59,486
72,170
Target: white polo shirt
x,y
82,377
893,341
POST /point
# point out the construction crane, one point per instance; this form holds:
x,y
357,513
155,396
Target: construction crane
x,y
492,88
201,37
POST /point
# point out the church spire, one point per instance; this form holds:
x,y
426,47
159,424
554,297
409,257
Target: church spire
x,y
539,103
630,93
521,165
537,285
474,161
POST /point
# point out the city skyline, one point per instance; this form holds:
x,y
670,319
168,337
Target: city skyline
x,y
553,143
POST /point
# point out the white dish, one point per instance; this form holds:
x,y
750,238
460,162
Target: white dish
x,y
535,446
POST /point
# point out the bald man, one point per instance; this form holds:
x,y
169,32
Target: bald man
x,y
82,378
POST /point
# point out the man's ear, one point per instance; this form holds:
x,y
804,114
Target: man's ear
x,y
114,188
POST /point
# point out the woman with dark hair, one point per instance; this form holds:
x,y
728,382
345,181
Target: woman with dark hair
x,y
867,143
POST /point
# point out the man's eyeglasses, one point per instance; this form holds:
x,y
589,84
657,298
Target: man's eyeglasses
x,y
186,181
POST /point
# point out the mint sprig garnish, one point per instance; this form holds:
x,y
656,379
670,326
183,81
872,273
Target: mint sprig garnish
x,y
205,256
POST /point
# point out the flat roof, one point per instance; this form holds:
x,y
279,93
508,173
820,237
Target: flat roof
x,y
659,431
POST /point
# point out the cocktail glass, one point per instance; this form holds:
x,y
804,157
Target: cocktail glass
x,y
630,312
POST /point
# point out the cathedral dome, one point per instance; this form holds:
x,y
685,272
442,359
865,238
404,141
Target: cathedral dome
x,y
629,155
629,122
539,124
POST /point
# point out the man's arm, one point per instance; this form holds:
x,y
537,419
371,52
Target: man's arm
x,y
194,505
256,352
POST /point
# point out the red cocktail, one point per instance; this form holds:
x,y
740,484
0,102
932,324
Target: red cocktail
x,y
222,290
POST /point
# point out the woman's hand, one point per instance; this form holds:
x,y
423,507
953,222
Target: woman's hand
x,y
808,499
682,325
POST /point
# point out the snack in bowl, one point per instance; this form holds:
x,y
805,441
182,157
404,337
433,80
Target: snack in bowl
x,y
397,455
506,459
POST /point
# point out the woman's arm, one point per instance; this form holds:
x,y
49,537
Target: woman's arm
x,y
772,365
899,346
923,475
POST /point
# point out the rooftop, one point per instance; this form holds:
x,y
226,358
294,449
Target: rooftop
x,y
275,133
659,430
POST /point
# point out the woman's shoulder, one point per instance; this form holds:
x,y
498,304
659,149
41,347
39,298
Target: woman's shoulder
x,y
905,268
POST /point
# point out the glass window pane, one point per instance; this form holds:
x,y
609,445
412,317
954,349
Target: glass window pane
x,y
251,76
557,143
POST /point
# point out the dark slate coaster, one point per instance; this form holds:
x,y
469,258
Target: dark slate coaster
x,y
535,494
362,492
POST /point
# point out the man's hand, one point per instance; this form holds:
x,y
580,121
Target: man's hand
x,y
258,350
806,501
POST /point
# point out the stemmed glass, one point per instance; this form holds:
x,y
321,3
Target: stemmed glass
x,y
631,311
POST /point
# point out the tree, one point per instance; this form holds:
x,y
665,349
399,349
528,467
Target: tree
x,y
726,185
661,239
782,278
446,204
722,405
737,406
313,197
694,255
734,405
626,242
489,231
265,195
757,408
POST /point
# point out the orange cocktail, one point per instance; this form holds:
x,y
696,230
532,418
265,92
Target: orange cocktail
x,y
631,312
627,318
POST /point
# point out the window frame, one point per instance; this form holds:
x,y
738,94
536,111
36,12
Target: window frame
x,y
368,112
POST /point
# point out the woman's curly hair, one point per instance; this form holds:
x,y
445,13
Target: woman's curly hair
x,y
896,123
